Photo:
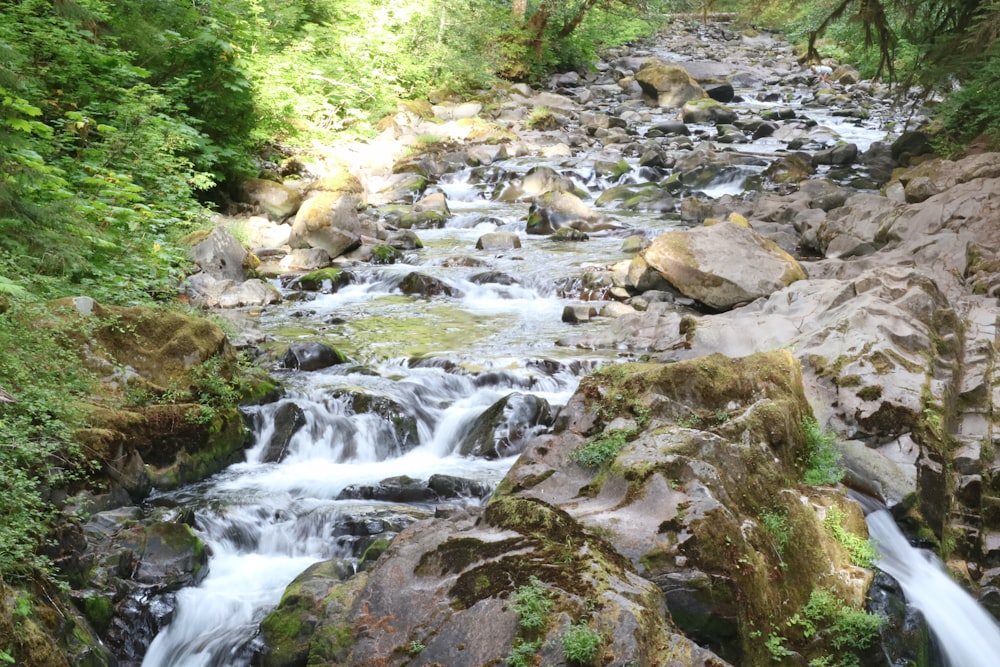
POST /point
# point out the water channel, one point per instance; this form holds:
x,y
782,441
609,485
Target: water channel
x,y
440,361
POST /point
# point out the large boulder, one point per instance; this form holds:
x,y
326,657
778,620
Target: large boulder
x,y
670,86
220,255
275,200
328,220
506,426
723,265
679,467
164,412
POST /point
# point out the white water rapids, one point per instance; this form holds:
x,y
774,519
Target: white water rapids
x,y
266,522
966,634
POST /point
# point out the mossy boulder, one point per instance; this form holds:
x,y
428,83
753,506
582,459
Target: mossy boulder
x,y
276,200
164,411
325,280
669,85
554,210
702,451
327,220
38,629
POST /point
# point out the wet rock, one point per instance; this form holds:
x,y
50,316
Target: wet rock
x,y
421,284
707,110
554,210
720,92
790,169
288,420
506,426
404,239
639,197
324,280
840,154
494,277
311,357
575,314
498,241
401,427
537,181
700,264
568,235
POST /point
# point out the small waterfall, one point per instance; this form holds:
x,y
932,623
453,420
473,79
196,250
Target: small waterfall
x,y
966,634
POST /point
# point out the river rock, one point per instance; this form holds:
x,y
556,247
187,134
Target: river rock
x,y
221,256
707,110
498,241
668,85
398,430
700,264
554,210
276,200
537,181
506,426
326,280
328,220
311,357
289,418
422,284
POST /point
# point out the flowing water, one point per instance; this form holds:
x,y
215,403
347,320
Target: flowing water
x,y
965,633
439,361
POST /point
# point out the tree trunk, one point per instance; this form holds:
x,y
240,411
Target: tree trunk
x,y
520,10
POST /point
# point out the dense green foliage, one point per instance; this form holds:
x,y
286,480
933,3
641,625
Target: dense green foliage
x,y
37,452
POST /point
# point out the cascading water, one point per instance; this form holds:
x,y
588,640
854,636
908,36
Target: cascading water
x,y
438,362
966,634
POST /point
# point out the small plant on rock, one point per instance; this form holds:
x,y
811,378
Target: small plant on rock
x,y
823,458
580,644
532,603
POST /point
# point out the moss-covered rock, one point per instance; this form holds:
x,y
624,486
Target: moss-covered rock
x,y
710,451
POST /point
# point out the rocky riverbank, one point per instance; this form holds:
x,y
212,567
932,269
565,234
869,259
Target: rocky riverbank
x,y
676,511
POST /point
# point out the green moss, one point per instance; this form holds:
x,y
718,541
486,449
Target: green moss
x,y
328,279
384,254
373,552
870,393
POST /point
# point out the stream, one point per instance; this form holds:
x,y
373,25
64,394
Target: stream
x,y
438,363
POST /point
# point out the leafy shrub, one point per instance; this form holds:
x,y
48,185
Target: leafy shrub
x,y
37,452
776,524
